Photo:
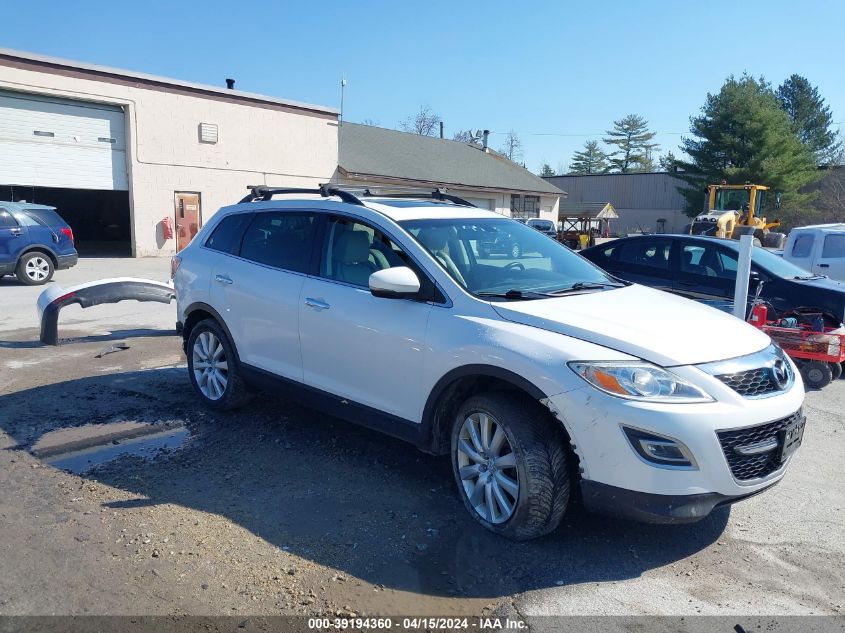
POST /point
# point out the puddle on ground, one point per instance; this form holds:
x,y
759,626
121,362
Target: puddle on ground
x,y
80,449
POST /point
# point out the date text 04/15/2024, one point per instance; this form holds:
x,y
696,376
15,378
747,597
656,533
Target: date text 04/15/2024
x,y
415,623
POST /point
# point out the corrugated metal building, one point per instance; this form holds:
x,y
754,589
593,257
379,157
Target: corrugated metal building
x,y
640,200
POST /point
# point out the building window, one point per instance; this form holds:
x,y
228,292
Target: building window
x,y
525,206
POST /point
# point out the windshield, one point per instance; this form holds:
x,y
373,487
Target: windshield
x,y
732,199
777,265
492,255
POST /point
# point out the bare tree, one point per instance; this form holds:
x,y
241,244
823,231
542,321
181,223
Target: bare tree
x,y
425,122
464,136
512,147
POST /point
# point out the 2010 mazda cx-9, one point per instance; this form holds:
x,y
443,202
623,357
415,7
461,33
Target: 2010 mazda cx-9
x,y
534,374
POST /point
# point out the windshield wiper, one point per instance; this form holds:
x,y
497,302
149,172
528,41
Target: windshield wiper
x,y
587,285
808,277
516,295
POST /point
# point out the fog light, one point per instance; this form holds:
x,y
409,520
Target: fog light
x,y
659,450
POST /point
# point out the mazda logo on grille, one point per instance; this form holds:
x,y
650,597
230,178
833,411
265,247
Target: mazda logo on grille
x,y
780,373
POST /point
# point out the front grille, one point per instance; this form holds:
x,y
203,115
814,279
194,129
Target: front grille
x,y
746,467
753,382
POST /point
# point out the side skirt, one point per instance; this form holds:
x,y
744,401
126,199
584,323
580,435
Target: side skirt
x,y
331,404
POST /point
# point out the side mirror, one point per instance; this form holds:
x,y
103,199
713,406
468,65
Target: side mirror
x,y
394,283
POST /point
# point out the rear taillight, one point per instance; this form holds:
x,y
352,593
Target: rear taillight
x,y
175,262
67,231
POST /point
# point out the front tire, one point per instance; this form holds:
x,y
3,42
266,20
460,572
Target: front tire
x,y
213,367
509,462
35,269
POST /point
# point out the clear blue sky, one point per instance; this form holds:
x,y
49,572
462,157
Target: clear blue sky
x,y
561,68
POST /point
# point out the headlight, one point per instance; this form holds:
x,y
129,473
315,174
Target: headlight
x,y
639,380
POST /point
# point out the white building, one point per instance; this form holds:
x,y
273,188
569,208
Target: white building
x,y
118,152
373,156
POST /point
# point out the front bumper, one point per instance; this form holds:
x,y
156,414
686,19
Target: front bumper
x,y
66,261
653,508
616,479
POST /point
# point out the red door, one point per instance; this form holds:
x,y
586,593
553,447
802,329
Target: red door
x,y
188,218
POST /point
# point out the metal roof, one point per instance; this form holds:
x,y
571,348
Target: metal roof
x,y
373,153
155,79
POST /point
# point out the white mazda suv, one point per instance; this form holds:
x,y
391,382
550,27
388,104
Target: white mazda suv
x,y
542,377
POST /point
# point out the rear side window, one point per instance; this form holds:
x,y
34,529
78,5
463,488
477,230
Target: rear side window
x,y
646,253
834,246
6,219
226,238
282,240
803,245
47,217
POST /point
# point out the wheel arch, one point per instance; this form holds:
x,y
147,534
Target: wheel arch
x,y
39,248
457,385
200,311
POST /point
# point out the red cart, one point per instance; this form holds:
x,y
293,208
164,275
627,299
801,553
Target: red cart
x,y
818,354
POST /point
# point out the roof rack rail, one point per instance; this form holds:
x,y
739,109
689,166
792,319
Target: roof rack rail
x,y
436,194
263,192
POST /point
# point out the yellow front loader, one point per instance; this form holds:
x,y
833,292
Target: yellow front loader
x,y
734,210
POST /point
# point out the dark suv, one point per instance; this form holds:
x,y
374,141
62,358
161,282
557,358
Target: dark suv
x,y
34,242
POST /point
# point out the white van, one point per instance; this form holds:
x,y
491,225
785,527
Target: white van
x,y
819,249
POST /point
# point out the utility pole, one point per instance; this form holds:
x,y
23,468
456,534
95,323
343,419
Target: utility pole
x,y
342,92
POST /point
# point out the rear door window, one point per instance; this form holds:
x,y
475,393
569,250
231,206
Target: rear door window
x,y
706,260
47,217
646,253
281,239
226,238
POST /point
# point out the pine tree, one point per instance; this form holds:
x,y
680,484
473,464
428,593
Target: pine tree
x,y
591,160
811,118
546,170
634,148
743,135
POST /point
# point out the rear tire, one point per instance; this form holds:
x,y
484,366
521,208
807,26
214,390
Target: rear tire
x,y
836,370
512,477
35,269
816,374
213,367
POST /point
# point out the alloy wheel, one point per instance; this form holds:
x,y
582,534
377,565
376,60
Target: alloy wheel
x,y
210,367
487,466
37,269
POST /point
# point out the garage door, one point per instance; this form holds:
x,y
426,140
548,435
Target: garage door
x,y
48,142
481,203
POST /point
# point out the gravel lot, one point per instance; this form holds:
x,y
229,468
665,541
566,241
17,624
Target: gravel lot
x,y
278,509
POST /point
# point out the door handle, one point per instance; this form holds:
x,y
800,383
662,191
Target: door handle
x,y
317,304
824,265
687,283
15,232
223,279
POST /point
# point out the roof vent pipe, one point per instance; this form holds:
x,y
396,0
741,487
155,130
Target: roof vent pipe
x,y
486,136
230,84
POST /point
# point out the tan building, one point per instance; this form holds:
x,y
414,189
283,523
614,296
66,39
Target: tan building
x,y
373,156
119,152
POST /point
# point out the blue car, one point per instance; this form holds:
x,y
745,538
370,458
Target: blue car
x,y
34,242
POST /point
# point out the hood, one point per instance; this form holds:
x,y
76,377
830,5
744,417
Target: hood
x,y
650,324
